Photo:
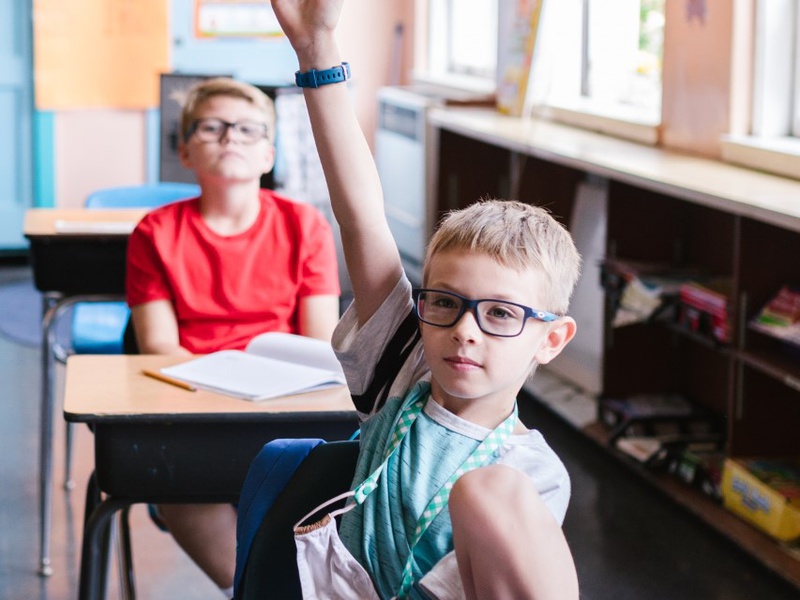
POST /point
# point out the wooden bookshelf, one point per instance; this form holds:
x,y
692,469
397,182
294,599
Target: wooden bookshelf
x,y
777,557
661,207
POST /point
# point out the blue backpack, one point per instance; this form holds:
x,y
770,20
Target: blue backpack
x,y
268,474
277,462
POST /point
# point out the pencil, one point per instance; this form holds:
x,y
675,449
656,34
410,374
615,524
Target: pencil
x,y
170,380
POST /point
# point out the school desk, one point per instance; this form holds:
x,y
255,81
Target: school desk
x,y
158,443
77,255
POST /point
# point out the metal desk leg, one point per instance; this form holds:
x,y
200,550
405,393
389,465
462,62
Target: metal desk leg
x,y
55,305
95,546
51,305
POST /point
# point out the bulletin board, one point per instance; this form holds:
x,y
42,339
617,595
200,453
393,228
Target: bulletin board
x,y
99,53
235,18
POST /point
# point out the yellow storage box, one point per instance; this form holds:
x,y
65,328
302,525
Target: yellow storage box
x,y
765,492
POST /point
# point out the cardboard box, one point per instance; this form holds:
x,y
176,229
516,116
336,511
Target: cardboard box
x,y
765,493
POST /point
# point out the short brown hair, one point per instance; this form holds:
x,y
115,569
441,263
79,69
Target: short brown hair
x,y
519,236
225,86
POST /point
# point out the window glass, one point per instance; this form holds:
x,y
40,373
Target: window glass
x,y
595,55
623,61
462,39
473,42
601,57
775,79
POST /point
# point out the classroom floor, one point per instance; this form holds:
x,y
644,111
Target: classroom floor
x,y
629,541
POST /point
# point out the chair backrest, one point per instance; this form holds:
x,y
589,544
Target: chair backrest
x,y
141,196
97,328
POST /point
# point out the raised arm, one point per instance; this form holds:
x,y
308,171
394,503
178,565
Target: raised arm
x,y
373,262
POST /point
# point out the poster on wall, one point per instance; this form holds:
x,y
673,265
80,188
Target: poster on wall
x,y
235,18
99,53
518,22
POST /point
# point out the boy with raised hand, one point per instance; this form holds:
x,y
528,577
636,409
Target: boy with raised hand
x,y
211,273
453,497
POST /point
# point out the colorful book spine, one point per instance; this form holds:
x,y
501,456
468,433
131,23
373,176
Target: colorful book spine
x,y
519,24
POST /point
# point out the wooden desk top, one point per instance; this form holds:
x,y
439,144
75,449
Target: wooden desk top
x,y
112,387
46,222
737,190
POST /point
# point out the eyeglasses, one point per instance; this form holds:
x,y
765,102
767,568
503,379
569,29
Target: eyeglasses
x,y
213,130
494,317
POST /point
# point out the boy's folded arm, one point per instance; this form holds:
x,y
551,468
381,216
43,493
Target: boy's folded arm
x,y
156,328
373,261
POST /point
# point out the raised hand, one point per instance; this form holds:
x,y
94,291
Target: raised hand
x,y
307,23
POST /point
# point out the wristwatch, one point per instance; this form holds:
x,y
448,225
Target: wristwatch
x,y
314,78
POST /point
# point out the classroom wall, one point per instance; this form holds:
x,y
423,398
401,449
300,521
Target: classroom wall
x,y
96,148
706,86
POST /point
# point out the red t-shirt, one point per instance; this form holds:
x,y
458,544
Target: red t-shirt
x,y
227,289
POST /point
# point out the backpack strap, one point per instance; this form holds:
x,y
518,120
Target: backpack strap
x,y
394,356
268,474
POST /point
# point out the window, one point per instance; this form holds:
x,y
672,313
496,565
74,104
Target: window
x,y
775,87
773,143
604,57
592,56
456,54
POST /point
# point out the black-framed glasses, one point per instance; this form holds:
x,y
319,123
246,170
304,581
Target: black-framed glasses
x,y
500,318
213,130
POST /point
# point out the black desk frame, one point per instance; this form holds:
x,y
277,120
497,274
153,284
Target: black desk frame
x,y
179,459
67,269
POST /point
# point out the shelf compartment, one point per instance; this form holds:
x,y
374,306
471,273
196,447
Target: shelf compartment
x,y
776,557
773,357
766,418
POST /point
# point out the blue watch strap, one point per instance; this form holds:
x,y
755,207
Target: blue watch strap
x,y
314,78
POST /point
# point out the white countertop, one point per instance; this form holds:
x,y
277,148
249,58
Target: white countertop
x,y
733,189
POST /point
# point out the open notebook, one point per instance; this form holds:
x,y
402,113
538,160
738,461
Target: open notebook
x,y
272,365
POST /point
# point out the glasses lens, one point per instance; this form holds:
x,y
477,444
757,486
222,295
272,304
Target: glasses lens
x,y
499,318
213,130
438,308
251,131
209,130
494,317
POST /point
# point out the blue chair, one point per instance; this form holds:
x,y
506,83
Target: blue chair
x,y
99,327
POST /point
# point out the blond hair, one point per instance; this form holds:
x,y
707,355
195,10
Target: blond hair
x,y
201,92
518,236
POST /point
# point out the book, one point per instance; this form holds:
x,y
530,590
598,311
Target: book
x,y
98,227
272,365
780,318
518,24
705,308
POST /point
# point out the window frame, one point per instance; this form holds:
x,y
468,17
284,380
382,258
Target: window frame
x,y
432,62
611,118
772,143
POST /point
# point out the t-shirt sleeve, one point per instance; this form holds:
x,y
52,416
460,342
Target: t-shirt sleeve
x,y
145,276
360,348
320,273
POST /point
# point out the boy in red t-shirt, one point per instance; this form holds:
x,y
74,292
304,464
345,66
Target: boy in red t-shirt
x,y
210,273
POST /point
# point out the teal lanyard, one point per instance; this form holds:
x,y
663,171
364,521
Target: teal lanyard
x,y
480,456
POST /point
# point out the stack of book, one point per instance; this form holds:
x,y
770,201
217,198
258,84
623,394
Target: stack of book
x,y
780,318
705,308
656,429
643,291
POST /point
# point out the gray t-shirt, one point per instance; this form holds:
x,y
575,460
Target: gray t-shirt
x,y
377,533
